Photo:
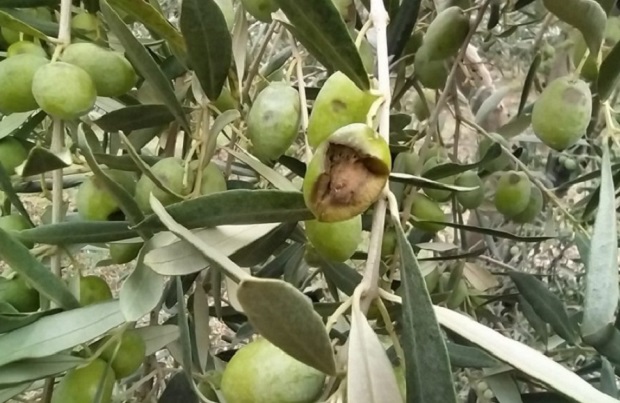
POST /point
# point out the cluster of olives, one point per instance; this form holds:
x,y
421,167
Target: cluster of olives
x,y
65,88
118,359
95,203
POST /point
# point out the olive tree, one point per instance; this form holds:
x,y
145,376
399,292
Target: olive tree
x,y
309,201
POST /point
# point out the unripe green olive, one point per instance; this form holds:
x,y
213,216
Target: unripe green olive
x,y
16,79
337,241
512,193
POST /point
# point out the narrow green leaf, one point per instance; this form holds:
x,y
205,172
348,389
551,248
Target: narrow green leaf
x,y
16,24
143,288
370,376
157,337
135,117
41,160
285,317
145,64
56,333
319,27
12,321
489,231
586,15
38,368
601,294
18,257
608,379
184,334
546,304
275,178
429,376
469,357
209,44
529,81
12,122
422,182
77,232
236,207
153,20
7,187
504,387
609,73
11,391
401,27
539,325
450,168
344,277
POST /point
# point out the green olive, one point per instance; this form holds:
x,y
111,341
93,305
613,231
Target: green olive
x,y
16,79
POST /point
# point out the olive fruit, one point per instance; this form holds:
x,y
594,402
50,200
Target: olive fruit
x,y
170,171
458,294
445,34
438,195
17,292
408,160
81,385
93,289
422,108
12,154
63,90
561,114
225,101
347,173
121,253
111,73
432,74
262,373
512,193
499,163
470,199
95,203
534,207
129,354
25,47
336,241
212,180
425,209
388,243
16,222
339,103
260,9
273,121
88,25
16,78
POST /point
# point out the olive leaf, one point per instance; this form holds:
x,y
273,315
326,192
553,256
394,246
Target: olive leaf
x,y
285,317
586,15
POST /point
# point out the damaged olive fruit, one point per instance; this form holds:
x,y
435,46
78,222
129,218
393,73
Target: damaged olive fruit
x,y
336,241
19,294
12,154
339,103
63,90
16,222
124,357
445,34
260,9
561,114
261,372
512,193
16,77
347,173
273,121
25,47
425,209
95,203
170,171
83,384
534,207
470,199
110,71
